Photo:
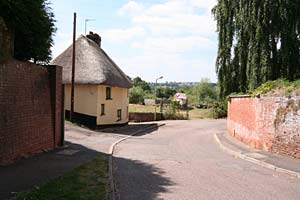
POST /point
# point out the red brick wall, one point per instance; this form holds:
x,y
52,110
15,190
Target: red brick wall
x,y
270,123
30,98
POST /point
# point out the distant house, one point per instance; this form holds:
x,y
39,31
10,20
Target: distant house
x,y
181,98
101,87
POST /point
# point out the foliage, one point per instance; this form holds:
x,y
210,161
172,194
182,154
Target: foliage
x,y
165,92
33,24
138,82
278,86
204,92
173,112
136,95
185,89
219,109
88,181
149,95
259,40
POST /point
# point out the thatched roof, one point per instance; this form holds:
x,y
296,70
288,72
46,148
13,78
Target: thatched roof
x,y
93,65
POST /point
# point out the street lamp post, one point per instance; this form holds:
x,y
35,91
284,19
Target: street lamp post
x,y
155,96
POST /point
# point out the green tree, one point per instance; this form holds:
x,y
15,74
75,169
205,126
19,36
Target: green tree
x,y
33,25
165,92
259,40
138,82
204,92
136,95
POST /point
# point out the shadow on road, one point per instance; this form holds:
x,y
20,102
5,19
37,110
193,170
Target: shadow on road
x,y
38,169
131,128
137,180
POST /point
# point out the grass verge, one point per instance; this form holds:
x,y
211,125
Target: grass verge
x,y
142,108
197,113
88,181
194,113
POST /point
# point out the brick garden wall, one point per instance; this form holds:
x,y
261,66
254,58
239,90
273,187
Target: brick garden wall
x,y
30,109
269,122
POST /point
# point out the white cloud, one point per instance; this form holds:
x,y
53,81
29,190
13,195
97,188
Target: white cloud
x,y
130,8
176,24
165,34
173,67
173,45
122,35
206,4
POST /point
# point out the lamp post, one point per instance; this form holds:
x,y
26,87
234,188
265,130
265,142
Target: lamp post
x,y
155,96
85,22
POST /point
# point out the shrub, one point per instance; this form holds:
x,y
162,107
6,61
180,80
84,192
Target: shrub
x,y
173,113
136,95
219,109
278,86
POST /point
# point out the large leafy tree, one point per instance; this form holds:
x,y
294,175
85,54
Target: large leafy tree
x,y
204,92
138,82
259,40
32,22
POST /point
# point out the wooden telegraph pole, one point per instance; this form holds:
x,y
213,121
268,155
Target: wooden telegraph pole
x,y
73,70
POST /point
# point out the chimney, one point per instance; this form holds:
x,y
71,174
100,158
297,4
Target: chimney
x,y
95,37
6,41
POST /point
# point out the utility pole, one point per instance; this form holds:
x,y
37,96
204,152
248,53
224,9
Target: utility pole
x,y
155,96
73,69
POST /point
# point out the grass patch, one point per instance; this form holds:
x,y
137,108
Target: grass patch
x,y
194,113
142,108
88,181
197,113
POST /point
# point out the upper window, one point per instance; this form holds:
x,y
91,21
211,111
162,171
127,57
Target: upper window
x,y
108,93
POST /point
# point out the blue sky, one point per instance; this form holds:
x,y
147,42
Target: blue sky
x,y
172,38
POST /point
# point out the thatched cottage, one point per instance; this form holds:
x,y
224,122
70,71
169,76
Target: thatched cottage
x,y
101,87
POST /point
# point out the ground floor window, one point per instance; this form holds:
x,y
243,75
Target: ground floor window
x,y
119,114
102,109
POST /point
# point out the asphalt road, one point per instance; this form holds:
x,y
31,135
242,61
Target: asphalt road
x,y
182,161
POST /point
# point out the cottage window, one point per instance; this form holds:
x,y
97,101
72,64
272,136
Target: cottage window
x,y
108,93
102,109
119,115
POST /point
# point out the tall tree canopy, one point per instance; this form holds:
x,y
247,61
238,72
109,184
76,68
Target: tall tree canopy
x,y
32,22
259,40
138,82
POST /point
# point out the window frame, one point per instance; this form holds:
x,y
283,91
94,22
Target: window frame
x,y
119,114
108,93
102,111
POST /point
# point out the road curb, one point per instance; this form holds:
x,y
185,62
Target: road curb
x,y
254,160
110,159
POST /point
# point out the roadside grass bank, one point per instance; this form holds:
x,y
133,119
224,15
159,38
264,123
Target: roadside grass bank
x,y
88,181
142,108
194,113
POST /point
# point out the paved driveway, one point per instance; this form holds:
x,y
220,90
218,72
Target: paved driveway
x,y
182,161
